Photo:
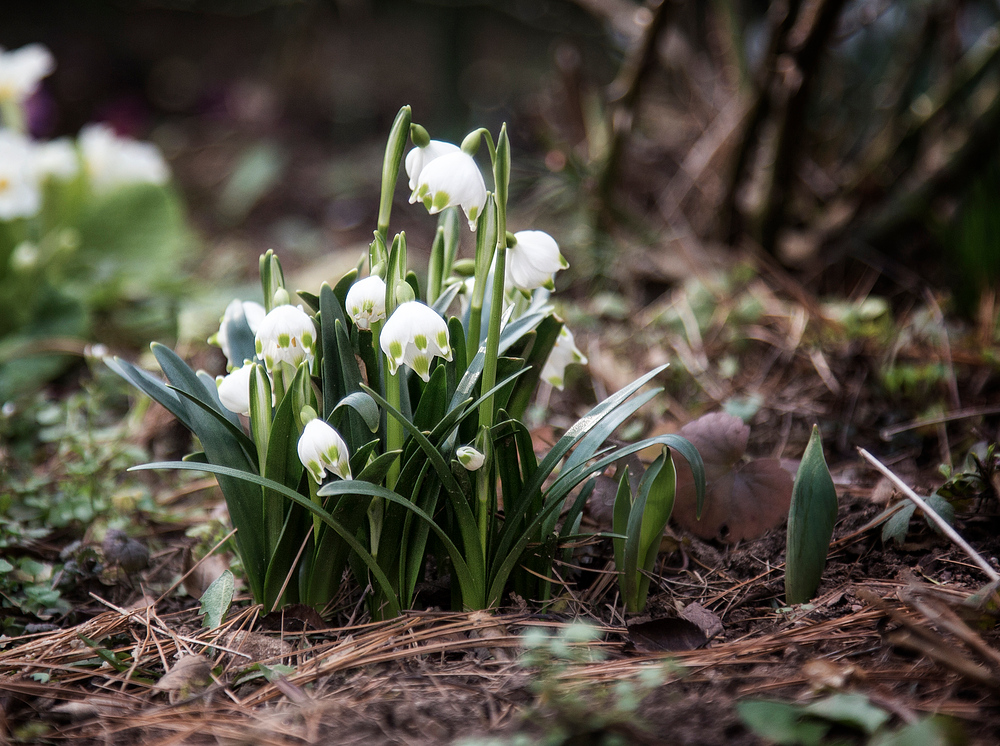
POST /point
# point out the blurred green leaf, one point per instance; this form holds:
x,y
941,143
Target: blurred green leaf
x,y
216,599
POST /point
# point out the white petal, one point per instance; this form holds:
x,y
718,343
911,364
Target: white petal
x,y
533,260
414,335
112,161
22,70
366,301
321,448
450,180
20,191
286,335
418,158
563,353
234,390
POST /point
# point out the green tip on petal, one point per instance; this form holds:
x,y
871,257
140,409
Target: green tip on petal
x,y
441,200
395,350
420,341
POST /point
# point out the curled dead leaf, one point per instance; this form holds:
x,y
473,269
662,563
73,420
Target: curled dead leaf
x,y
742,501
188,676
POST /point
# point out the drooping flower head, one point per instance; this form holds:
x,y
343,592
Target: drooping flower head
x,y
413,336
470,458
112,161
320,449
21,70
533,261
366,301
452,179
563,353
253,312
286,335
20,193
419,157
234,389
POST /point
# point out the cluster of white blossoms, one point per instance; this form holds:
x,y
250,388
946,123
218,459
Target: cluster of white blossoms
x,y
109,161
440,175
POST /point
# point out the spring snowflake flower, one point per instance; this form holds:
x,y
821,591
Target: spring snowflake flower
x,y
320,449
234,389
21,70
112,161
533,261
414,335
20,193
253,312
286,335
563,353
417,158
366,301
452,179
470,458
56,159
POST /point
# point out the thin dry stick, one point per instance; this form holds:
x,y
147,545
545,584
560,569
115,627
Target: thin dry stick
x,y
940,522
184,577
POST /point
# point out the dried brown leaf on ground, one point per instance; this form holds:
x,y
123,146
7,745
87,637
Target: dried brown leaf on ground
x,y
742,500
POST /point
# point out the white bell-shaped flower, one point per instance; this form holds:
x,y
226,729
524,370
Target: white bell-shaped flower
x,y
286,335
321,448
234,389
564,352
417,158
414,335
366,301
452,179
112,161
20,192
252,311
21,70
470,458
533,261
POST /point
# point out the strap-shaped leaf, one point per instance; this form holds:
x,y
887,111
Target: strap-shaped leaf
x,y
811,519
361,403
345,535
555,495
463,512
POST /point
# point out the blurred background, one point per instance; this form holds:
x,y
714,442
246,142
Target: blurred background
x,y
845,146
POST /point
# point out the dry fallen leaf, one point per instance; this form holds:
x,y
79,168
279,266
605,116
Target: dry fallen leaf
x,y
742,501
188,676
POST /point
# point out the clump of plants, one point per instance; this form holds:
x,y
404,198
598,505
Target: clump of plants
x,y
378,425
91,236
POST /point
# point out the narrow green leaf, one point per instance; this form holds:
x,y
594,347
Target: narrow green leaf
x,y
216,599
811,520
345,535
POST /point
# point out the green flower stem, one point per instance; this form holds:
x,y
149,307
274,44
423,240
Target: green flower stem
x,y
394,429
318,501
390,167
485,239
484,485
435,267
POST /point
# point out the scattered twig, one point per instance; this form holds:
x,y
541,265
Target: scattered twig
x,y
931,515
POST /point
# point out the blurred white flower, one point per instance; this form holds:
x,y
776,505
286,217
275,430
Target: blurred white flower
x,y
234,390
56,159
112,161
451,179
563,353
285,335
414,335
470,458
533,261
366,301
21,70
20,193
321,448
24,257
417,158
253,312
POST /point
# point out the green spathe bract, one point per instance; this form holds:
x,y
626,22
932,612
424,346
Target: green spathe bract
x,y
407,420
810,524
